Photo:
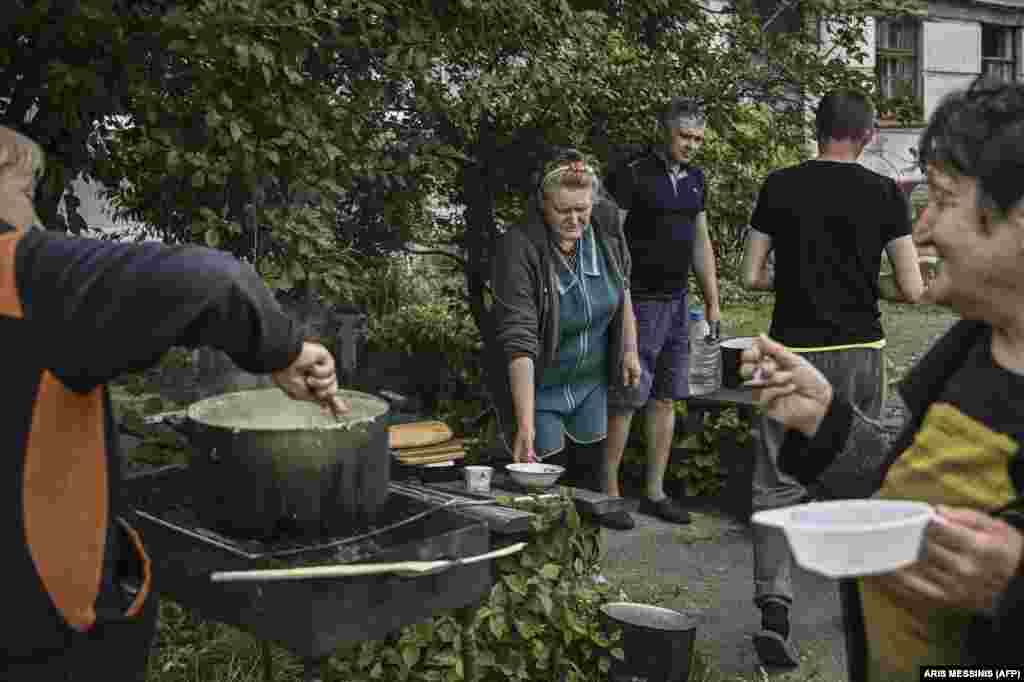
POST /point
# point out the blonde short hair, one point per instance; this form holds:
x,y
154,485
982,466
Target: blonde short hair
x,y
20,154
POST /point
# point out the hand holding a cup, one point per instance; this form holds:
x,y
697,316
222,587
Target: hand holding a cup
x,y
788,387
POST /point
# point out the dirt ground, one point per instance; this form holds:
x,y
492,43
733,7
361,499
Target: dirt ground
x,y
705,569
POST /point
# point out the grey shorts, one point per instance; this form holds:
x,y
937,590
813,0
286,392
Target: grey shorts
x,y
663,338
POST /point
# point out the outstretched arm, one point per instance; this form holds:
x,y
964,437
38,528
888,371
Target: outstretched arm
x,y
106,308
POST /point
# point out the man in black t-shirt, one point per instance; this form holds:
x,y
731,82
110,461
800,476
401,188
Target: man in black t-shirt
x,y
667,231
827,221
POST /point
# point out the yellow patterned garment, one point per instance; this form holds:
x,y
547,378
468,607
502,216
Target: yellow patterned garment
x,y
954,460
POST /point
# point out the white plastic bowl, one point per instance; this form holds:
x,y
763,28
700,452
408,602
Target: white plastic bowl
x,y
850,538
534,474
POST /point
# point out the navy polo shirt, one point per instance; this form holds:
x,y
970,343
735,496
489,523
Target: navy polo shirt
x,y
661,224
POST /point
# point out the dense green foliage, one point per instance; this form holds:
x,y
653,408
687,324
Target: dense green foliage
x,y
305,134
541,620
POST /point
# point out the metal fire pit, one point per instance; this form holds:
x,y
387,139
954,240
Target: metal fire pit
x,y
310,617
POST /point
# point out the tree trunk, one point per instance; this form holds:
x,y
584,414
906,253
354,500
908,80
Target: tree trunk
x,y
478,195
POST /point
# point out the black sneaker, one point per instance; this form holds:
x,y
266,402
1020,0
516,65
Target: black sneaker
x,y
666,509
617,520
775,650
773,644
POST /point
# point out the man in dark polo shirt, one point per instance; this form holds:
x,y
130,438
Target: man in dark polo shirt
x,y
666,227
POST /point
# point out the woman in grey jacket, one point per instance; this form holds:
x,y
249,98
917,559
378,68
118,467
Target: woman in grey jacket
x,y
563,324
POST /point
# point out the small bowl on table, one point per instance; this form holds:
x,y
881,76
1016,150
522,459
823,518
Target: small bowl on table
x,y
535,475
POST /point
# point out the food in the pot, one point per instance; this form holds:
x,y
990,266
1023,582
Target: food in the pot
x,y
274,411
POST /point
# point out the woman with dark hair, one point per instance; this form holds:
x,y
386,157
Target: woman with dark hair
x,y
962,602
563,322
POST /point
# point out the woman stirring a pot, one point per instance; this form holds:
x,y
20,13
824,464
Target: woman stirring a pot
x,y
563,322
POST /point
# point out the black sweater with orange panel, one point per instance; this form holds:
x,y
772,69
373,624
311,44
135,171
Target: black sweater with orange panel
x,y
75,314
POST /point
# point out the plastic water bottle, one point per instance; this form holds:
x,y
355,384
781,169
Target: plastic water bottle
x,y
705,374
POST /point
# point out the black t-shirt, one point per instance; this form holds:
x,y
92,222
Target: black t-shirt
x,y
829,223
661,224
987,392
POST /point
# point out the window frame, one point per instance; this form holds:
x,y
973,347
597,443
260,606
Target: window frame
x,y
899,53
1013,61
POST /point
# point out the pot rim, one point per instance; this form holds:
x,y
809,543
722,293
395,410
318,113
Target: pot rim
x,y
194,412
684,622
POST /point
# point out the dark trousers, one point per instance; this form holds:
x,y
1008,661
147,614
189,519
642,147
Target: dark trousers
x,y
857,374
114,651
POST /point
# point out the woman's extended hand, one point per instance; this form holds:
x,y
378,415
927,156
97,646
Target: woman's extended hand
x,y
631,369
967,561
522,447
789,388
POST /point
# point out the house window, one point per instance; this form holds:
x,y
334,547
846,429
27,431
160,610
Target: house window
x,y
897,48
999,52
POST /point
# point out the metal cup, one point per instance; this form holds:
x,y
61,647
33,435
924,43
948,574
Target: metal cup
x,y
478,478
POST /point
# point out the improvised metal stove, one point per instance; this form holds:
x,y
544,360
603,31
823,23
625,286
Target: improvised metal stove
x,y
311,617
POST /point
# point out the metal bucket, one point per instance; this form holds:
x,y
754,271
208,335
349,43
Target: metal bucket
x,y
269,465
657,642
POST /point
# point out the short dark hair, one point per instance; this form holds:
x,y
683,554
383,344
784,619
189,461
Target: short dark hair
x,y
681,108
844,115
979,133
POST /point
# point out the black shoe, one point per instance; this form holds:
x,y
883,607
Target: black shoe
x,y
773,643
776,650
617,520
666,509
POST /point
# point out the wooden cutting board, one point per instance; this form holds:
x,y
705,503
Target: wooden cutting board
x,y
418,434
434,459
453,444
429,459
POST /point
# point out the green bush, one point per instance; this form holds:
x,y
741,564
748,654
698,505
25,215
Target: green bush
x,y
700,473
440,325
541,621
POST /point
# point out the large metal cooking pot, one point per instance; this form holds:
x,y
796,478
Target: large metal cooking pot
x,y
268,465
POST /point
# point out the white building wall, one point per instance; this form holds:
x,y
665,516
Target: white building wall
x,y
952,47
951,59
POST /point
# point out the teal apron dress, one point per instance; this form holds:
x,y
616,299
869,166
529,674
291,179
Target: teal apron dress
x,y
572,393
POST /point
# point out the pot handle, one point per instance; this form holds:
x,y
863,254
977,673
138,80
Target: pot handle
x,y
178,422
394,400
410,569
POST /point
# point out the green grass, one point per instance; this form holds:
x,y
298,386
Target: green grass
x,y
910,330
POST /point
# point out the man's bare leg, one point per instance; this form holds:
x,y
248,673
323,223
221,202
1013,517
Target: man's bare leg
x,y
615,446
660,428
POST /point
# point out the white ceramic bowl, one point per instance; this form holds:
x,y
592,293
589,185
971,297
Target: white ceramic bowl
x,y
849,538
535,474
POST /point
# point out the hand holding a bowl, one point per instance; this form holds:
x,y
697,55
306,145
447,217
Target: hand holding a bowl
x,y
311,377
789,388
967,561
